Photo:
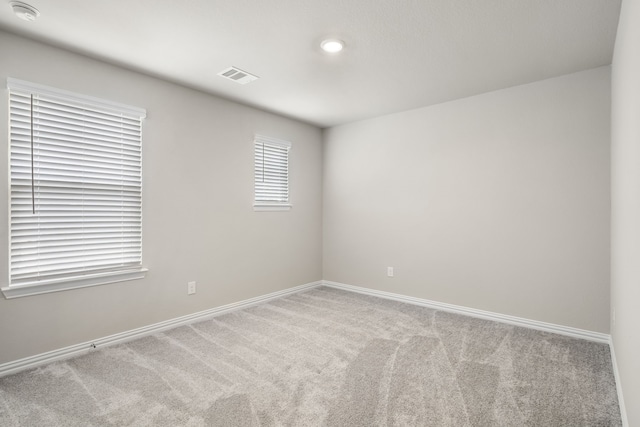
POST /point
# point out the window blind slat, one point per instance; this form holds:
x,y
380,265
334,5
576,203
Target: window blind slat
x,y
271,170
86,186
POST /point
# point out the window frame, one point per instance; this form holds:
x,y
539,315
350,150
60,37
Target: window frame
x,y
273,205
92,275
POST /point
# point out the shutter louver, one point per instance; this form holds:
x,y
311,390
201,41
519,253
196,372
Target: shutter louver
x,y
271,160
76,194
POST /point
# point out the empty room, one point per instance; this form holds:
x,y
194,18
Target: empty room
x,y
320,213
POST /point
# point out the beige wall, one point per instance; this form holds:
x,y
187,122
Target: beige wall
x,y
199,222
498,202
625,214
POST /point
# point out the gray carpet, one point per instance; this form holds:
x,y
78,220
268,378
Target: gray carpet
x,y
325,357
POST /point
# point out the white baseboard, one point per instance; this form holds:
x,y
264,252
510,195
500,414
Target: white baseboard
x,y
82,348
85,347
488,315
616,374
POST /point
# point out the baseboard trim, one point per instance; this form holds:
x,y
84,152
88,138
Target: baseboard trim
x,y
86,347
616,374
488,315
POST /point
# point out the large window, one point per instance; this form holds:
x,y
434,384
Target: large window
x,y
76,190
271,171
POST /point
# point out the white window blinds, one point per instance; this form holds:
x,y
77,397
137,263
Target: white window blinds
x,y
76,189
271,173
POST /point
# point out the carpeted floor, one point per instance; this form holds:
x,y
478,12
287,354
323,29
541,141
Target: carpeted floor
x,y
325,357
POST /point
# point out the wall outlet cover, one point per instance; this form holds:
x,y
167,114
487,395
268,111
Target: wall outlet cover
x,y
191,288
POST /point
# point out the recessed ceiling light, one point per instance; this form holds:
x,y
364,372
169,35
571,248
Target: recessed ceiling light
x,y
332,45
24,11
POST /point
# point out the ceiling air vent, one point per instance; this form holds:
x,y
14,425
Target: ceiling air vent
x,y
237,75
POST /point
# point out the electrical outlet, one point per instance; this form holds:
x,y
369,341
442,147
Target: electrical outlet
x,y
613,316
191,288
389,271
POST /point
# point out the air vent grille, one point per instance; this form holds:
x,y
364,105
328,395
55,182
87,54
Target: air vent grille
x,y
237,75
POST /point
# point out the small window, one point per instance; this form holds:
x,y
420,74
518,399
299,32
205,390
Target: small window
x,y
271,174
76,190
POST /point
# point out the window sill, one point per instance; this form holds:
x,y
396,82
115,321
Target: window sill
x,y
65,284
271,207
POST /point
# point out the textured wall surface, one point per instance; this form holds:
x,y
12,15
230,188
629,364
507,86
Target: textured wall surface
x,y
498,202
198,218
625,200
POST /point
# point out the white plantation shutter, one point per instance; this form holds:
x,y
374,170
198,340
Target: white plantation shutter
x,y
76,189
271,173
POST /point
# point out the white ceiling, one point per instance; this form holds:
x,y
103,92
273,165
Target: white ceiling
x,y
399,55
